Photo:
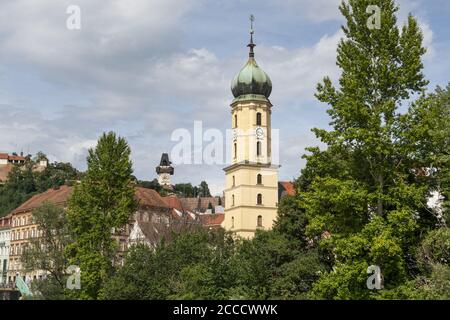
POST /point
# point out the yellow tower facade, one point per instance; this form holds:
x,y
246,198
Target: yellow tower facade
x,y
251,186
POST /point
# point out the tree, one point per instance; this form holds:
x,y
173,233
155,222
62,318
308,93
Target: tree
x,y
291,220
185,190
426,130
55,175
192,265
46,251
150,184
364,198
203,190
103,201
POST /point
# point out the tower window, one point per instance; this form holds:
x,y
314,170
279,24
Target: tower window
x,y
234,181
259,221
259,179
232,222
258,119
259,199
232,200
235,150
258,148
235,121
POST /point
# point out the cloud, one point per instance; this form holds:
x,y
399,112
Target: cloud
x,y
296,72
139,70
315,11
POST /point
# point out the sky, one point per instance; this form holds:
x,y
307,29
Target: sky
x,y
146,68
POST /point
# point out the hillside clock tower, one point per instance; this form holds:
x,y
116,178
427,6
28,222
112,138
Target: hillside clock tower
x,y
251,186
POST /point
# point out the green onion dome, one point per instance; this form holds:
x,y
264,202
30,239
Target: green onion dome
x,y
251,80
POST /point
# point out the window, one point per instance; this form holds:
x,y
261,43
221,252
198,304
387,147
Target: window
x,y
234,181
235,121
258,148
232,200
232,222
259,179
235,150
259,221
259,199
258,119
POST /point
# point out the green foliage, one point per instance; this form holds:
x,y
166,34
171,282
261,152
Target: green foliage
x,y
150,184
426,130
434,249
189,191
364,199
191,266
104,200
291,220
203,190
185,190
434,281
211,265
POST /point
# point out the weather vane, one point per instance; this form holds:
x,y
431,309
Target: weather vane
x,y
252,19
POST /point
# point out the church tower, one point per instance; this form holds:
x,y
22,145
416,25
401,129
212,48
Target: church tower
x,y
251,186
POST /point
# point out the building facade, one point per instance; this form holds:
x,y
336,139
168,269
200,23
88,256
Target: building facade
x,y
251,181
23,229
5,237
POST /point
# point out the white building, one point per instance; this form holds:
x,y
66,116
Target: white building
x,y
5,237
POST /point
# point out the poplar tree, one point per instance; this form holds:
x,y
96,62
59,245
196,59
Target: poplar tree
x,y
364,197
102,202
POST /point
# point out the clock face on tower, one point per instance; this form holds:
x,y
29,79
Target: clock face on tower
x,y
259,133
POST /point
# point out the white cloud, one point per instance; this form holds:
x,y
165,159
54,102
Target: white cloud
x,y
295,73
316,10
135,75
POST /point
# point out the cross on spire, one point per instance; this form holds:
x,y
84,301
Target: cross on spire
x,y
251,45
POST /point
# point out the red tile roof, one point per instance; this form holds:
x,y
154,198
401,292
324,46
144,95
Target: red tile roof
x,y
149,198
200,203
17,158
56,196
174,202
212,220
11,157
145,197
288,187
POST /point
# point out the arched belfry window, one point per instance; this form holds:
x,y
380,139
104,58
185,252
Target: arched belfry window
x,y
235,150
258,119
235,121
259,221
258,148
259,199
259,179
